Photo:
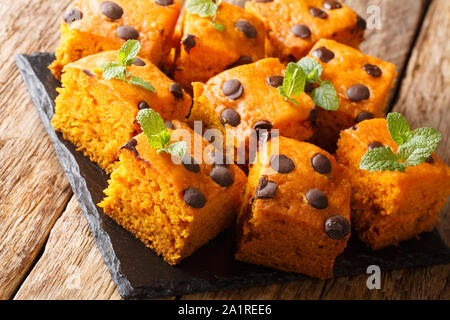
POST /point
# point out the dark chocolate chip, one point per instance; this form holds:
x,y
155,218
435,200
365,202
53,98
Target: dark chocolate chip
x,y
374,145
323,54
88,73
317,199
337,227
301,31
240,62
176,91
194,197
169,125
130,145
361,23
309,87
313,116
138,62
318,13
190,164
189,42
373,70
111,10
275,81
231,117
127,32
143,105
72,14
281,163
232,89
321,163
331,5
358,92
222,176
262,125
164,2
266,189
363,115
246,28
430,160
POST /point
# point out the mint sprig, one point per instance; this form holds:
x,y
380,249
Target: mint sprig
x,y
119,70
157,134
308,70
206,9
414,147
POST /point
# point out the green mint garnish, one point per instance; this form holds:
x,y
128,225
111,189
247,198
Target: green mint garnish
x,y
119,70
414,147
206,9
157,134
308,70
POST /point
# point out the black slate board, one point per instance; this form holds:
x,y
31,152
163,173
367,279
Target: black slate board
x,y
139,273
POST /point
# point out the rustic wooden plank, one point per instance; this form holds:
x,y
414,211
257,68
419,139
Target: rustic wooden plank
x,y
71,266
33,188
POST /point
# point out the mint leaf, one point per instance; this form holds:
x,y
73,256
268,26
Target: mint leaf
x,y
398,128
218,26
294,80
177,149
128,52
284,94
311,68
142,83
203,8
421,144
381,159
114,70
151,122
325,96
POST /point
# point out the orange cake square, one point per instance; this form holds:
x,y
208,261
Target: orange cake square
x,y
92,26
295,214
389,207
205,51
362,83
294,26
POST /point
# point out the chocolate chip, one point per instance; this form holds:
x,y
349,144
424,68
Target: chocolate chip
x,y
323,54
373,70
231,117
88,73
111,10
363,115
246,28
130,145
72,14
262,125
331,5
321,163
222,176
143,105
361,23
317,199
309,87
337,227
190,164
164,2
176,91
313,116
240,62
375,144
430,160
301,31
266,189
281,163
275,81
127,32
358,92
194,197
353,128
318,13
169,125
232,89
138,62
189,42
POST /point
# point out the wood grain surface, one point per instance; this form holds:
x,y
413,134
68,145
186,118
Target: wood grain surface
x,y
34,191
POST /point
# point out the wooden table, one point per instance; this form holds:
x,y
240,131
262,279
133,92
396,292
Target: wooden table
x,y
46,249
